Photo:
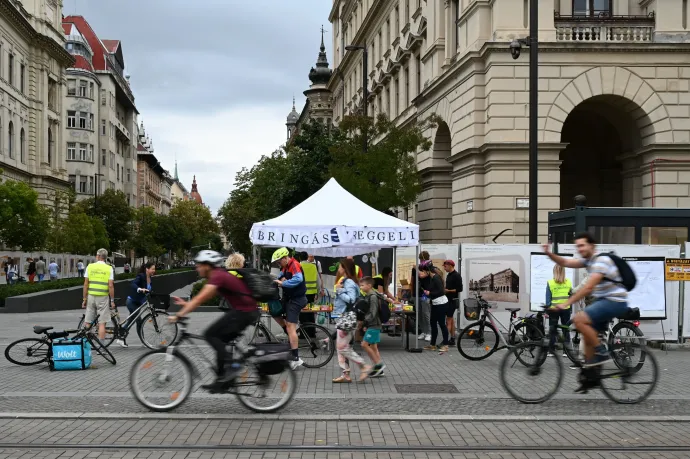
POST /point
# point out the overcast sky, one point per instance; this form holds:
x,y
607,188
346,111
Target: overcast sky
x,y
213,79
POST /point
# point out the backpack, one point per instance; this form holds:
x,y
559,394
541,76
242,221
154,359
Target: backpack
x,y
384,310
628,279
260,283
361,307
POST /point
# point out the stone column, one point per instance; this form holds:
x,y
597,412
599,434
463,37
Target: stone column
x,y
448,16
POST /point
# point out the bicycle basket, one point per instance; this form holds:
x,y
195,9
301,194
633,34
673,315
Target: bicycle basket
x,y
471,309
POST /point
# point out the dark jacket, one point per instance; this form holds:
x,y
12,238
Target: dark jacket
x,y
138,282
435,287
372,319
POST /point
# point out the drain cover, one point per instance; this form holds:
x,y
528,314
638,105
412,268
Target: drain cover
x,y
426,389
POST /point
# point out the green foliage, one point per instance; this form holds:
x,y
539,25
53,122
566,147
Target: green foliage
x,y
144,240
77,230
115,213
100,234
194,224
25,223
196,288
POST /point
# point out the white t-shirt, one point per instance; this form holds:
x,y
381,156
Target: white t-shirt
x,y
53,269
112,272
80,265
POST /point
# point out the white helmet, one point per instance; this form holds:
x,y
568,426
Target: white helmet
x,y
210,257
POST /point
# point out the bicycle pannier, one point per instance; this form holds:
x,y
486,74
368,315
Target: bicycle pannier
x,y
260,283
472,309
271,358
70,354
631,314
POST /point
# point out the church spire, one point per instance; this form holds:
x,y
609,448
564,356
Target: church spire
x,y
176,177
321,73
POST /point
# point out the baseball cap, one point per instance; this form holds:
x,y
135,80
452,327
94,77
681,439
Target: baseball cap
x,y
449,262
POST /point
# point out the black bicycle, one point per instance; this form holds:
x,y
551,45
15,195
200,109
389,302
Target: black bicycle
x,y
33,351
152,325
161,380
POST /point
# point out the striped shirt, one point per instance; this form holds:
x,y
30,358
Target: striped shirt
x,y
608,289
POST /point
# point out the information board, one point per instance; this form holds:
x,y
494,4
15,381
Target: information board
x,y
541,272
649,293
678,269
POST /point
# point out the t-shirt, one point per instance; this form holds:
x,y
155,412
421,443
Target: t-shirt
x,y
453,282
378,282
609,289
80,265
235,291
86,274
40,267
53,269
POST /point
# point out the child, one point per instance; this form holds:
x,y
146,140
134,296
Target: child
x,y
372,324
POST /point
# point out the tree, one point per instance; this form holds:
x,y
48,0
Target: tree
x,y
25,223
78,233
145,227
114,210
194,222
100,234
168,234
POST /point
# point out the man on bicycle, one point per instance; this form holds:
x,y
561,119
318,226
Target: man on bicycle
x,y
604,284
291,279
242,312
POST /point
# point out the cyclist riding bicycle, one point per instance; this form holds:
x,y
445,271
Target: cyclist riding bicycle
x,y
604,283
241,313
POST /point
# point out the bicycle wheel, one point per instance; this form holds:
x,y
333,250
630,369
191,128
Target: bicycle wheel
x,y
523,333
625,339
28,351
316,345
477,341
99,347
161,381
630,385
155,331
263,393
572,349
111,330
540,377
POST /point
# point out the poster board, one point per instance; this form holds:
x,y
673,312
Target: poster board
x,y
440,253
649,294
541,271
405,260
652,328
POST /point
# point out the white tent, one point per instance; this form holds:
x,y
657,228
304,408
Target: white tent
x,y
334,223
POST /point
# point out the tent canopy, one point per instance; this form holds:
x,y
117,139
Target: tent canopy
x,y
334,223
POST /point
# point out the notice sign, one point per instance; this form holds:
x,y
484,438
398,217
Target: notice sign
x,y
677,269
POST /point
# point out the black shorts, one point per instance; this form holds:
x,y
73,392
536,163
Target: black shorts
x,y
451,307
292,309
311,297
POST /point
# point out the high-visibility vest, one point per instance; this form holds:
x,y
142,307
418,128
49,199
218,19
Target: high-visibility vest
x,y
99,278
560,292
311,277
235,273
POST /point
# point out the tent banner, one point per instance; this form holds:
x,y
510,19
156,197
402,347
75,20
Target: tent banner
x,y
333,237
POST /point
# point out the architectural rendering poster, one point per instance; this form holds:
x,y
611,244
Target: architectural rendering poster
x,y
495,280
652,328
405,260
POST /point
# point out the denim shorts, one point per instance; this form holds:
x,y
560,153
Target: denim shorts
x,y
603,311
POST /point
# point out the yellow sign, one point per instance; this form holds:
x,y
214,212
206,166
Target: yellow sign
x,y
677,269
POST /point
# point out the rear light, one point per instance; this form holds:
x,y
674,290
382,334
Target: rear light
x,y
636,323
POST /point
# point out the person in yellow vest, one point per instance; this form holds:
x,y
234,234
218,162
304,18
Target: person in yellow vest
x,y
558,290
99,291
311,279
233,262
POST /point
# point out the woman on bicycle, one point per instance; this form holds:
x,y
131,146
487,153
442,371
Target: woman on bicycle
x,y
242,313
436,292
558,290
140,286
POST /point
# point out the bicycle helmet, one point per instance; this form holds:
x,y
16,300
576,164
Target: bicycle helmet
x,y
210,257
280,253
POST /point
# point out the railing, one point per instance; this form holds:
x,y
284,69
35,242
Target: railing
x,y
605,28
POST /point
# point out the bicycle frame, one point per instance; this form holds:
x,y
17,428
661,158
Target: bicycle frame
x,y
131,319
501,329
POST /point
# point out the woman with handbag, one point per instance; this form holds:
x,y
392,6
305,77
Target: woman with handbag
x,y
346,294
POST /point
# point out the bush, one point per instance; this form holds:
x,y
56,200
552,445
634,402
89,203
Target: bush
x,y
215,301
7,291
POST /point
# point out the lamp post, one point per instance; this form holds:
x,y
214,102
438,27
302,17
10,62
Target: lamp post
x,y
515,49
365,86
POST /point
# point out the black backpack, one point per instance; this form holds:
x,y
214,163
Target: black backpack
x,y
260,283
384,310
628,279
361,307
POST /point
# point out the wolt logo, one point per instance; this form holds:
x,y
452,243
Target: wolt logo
x,y
72,354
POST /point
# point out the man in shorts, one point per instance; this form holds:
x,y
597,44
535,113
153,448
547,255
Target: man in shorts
x,y
291,279
453,290
99,291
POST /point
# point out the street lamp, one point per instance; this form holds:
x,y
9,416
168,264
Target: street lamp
x,y
515,49
365,86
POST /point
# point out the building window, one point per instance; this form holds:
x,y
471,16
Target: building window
x,y
388,100
90,157
83,88
407,11
90,185
50,146
118,173
22,146
73,182
82,151
10,69
103,97
600,8
104,158
52,94
91,86
10,140
71,87
397,20
380,45
112,185
91,121
406,95
397,97
388,33
103,127
82,184
419,75
112,160
83,121
71,119
129,176
71,151
22,78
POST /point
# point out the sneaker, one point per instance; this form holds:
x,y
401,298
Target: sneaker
x,y
443,349
121,342
377,370
565,355
601,356
430,348
294,364
421,336
550,354
427,338
451,342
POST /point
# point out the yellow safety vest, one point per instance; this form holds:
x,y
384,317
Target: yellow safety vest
x,y
311,276
235,273
560,292
99,278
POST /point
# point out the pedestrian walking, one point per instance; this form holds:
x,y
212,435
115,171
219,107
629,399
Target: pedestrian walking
x,y
127,268
453,290
80,268
372,325
40,269
12,272
31,270
439,304
53,270
99,285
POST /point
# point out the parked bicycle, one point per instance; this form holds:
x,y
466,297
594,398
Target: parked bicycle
x,y
33,351
480,339
161,380
152,325
542,376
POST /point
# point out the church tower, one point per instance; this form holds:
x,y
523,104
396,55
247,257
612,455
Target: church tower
x,y
291,122
318,94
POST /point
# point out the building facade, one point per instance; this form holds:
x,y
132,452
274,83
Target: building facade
x,y
101,115
614,104
32,82
178,191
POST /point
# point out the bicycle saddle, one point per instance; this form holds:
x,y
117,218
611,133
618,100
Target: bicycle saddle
x,y
513,309
38,329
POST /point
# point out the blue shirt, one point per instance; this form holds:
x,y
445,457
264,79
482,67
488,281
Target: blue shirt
x,y
345,296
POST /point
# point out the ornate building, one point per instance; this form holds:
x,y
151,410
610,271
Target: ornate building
x,y
178,191
318,104
195,192
32,82
154,189
614,104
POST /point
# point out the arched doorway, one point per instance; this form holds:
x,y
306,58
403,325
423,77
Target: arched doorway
x,y
598,132
434,205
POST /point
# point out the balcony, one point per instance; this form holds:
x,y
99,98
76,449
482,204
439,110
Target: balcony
x,y
605,28
122,131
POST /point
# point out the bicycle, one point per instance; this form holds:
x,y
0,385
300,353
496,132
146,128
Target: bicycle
x,y
39,350
484,335
153,328
162,365
534,374
314,341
